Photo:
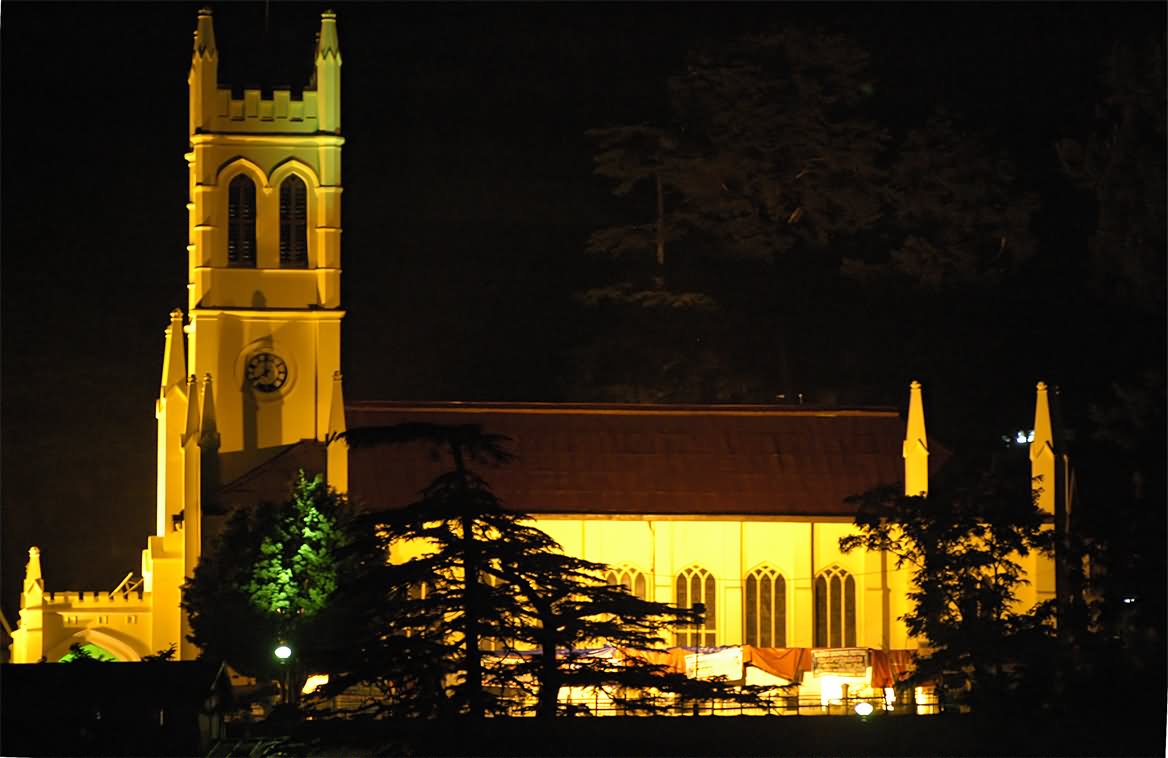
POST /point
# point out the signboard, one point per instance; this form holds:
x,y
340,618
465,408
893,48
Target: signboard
x,y
727,663
841,661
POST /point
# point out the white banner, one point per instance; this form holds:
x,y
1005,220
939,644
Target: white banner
x,y
727,663
841,661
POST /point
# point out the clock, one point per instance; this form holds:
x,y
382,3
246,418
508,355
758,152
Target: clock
x,y
266,372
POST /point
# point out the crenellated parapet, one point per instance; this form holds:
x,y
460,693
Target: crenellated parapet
x,y
95,601
214,110
254,113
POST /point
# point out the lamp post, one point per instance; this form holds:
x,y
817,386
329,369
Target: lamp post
x,y
284,654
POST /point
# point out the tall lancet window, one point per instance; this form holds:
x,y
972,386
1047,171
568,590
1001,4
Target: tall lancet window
x,y
293,223
696,585
241,222
766,608
835,609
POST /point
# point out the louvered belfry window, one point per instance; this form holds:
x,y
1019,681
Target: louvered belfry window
x,y
241,222
766,608
835,609
293,223
696,585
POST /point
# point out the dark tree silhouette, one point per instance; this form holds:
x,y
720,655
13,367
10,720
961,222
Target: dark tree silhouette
x,y
962,543
484,577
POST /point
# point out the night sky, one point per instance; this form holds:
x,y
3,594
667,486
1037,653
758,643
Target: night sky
x,y
468,198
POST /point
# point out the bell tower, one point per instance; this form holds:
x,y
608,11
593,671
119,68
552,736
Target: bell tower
x,y
264,248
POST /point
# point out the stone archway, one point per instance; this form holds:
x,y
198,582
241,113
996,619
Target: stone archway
x,y
118,646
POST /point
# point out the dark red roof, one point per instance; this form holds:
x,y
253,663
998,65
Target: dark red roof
x,y
647,459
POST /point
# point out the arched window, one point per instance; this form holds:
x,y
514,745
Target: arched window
x,y
696,585
766,608
631,579
241,222
293,223
835,609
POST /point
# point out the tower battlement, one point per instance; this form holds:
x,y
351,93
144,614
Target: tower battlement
x,y
214,110
254,113
96,600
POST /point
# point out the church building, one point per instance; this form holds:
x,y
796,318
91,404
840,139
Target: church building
x,y
738,507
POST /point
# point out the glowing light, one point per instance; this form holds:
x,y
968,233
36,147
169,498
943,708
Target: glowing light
x,y
864,709
283,652
313,683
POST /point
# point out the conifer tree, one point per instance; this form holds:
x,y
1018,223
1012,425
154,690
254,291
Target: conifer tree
x,y
486,577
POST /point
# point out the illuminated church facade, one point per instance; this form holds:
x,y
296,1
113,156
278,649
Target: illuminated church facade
x,y
738,507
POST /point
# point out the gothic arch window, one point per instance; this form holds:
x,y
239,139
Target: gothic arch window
x,y
631,579
835,609
696,585
293,223
766,608
241,222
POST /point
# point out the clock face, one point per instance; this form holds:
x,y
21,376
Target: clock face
x,y
267,372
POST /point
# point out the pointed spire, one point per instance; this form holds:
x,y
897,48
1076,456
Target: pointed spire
x,y
34,584
327,45
328,75
205,36
191,430
1043,428
336,419
1043,461
337,460
174,360
209,436
916,445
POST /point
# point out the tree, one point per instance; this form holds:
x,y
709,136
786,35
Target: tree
x,y
272,577
565,610
467,529
962,543
484,576
767,154
1121,163
956,215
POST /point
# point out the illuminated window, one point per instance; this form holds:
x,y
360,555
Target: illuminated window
x,y
293,223
490,643
631,579
835,609
696,585
766,608
241,222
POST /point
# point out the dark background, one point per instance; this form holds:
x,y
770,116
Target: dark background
x,y
468,198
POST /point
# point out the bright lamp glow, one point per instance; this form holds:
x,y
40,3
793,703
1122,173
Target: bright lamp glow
x,y
283,652
864,709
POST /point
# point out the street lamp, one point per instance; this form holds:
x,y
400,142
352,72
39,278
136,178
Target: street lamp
x,y
284,653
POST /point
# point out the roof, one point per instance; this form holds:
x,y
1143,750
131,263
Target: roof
x,y
647,459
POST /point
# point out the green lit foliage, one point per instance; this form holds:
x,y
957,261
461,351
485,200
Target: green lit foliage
x,y
87,652
296,574
962,544
272,576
